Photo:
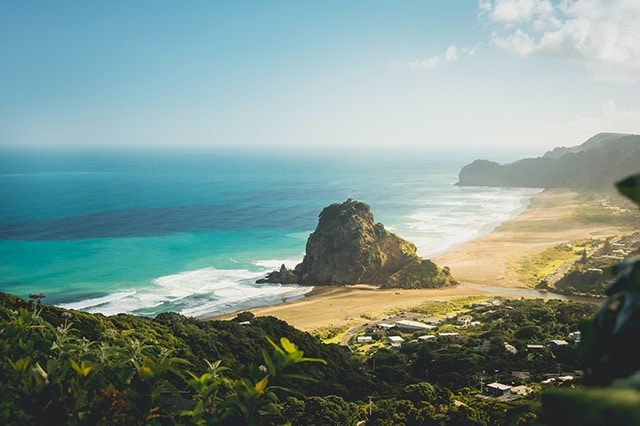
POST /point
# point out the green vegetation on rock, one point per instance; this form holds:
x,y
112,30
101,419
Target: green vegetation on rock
x,y
349,247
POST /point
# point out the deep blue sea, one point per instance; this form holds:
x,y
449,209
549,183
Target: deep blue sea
x,y
190,232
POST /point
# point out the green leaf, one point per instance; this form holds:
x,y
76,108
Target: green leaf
x,y
83,369
288,346
630,188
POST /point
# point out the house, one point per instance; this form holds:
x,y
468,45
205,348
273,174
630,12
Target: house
x,y
535,347
450,337
407,325
464,320
485,346
364,339
395,341
522,375
493,302
385,325
575,337
521,390
510,348
427,338
498,389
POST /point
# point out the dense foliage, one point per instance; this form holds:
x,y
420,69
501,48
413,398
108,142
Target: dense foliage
x,y
92,369
51,375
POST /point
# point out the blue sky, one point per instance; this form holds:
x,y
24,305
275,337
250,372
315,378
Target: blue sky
x,y
514,75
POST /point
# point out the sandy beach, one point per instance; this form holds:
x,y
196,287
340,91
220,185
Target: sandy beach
x,y
490,260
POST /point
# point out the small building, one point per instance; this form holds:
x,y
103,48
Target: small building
x,y
575,337
464,320
364,339
432,321
535,347
484,346
395,341
522,375
556,343
498,389
385,325
450,337
510,348
427,338
521,390
408,325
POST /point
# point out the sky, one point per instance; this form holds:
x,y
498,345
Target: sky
x,y
511,75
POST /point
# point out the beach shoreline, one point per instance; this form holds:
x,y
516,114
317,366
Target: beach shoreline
x,y
489,260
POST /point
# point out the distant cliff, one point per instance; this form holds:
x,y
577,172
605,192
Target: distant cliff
x,y
348,247
594,165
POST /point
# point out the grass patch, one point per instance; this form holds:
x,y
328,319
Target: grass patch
x,y
331,334
609,208
449,307
368,348
537,268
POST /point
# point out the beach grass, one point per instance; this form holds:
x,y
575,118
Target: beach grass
x,y
448,307
539,267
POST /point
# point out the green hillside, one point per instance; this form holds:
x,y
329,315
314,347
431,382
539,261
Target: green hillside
x,y
593,165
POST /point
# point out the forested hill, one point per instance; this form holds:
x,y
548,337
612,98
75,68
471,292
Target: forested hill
x,y
594,165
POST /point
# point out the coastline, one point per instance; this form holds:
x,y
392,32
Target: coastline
x,y
489,260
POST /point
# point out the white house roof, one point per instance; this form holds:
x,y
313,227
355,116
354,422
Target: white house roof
x,y
427,337
500,386
414,324
386,325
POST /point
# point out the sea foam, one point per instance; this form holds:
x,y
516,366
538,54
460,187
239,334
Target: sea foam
x,y
198,293
449,222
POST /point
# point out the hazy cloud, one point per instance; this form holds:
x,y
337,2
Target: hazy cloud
x,y
602,34
451,54
610,119
427,63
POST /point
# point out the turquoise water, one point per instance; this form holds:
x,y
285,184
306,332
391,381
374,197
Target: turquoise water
x,y
191,232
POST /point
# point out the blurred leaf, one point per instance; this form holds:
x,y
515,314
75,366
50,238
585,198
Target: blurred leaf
x,y
262,384
630,188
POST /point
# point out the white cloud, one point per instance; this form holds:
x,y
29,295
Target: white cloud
x,y
513,11
451,54
610,120
427,63
602,34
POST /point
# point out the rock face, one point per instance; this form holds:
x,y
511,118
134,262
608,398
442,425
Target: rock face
x,y
348,247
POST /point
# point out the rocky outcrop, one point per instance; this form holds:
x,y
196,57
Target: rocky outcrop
x,y
348,247
283,276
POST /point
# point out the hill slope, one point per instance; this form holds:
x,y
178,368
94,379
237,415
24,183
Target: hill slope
x,y
594,165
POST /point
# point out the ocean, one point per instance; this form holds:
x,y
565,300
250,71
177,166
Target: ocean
x,y
190,232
